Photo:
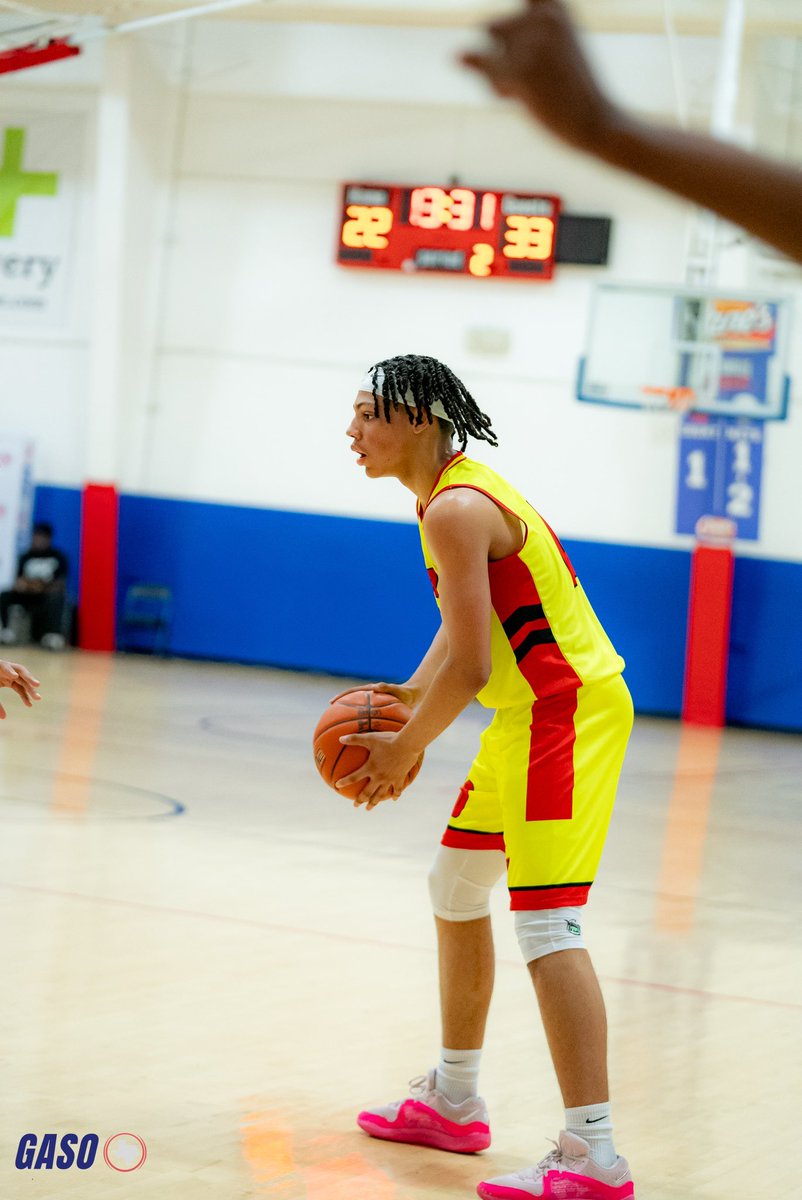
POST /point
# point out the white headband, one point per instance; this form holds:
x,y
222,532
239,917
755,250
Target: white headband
x,y
367,385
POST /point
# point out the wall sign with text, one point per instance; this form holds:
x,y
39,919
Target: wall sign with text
x,y
456,230
720,472
40,170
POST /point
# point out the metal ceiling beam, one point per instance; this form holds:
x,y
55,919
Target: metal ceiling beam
x,y
763,17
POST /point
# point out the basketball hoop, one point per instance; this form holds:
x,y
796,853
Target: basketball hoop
x,y
680,399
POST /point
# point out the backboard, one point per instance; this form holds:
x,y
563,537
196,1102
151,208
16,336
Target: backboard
x,y
715,351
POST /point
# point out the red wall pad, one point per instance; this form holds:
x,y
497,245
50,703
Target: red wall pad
x,y
98,585
707,647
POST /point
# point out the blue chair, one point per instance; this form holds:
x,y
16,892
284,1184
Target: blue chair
x,y
147,610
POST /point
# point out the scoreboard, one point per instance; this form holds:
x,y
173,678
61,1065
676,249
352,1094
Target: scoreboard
x,y
457,230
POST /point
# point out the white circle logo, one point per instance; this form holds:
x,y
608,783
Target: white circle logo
x,y
125,1152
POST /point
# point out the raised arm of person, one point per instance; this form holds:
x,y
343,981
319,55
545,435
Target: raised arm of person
x,y
537,59
458,528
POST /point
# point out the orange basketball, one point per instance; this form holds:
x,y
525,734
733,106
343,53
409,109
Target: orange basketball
x,y
356,712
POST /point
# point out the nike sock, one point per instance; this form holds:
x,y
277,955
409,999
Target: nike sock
x,y
594,1123
458,1074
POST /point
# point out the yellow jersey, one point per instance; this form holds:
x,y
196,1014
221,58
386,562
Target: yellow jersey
x,y
545,638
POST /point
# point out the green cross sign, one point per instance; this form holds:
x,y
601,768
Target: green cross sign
x,y
14,182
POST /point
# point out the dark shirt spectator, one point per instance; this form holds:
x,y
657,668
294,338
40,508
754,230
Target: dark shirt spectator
x,y
40,588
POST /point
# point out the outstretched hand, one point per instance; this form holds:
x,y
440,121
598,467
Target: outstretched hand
x,y
537,58
20,680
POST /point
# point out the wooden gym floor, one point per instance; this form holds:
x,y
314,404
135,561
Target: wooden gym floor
x,y
203,945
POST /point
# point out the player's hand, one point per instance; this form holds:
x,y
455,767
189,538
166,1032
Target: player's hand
x,y
406,693
20,680
537,58
388,767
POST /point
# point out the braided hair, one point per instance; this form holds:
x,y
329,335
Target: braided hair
x,y
415,379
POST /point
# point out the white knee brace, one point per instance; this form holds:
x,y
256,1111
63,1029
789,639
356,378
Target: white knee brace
x,y
545,932
460,882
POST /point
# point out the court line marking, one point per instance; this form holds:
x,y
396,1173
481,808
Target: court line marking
x,y
249,922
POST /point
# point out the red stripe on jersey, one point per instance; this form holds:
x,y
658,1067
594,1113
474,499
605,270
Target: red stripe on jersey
x,y
433,580
471,839
561,895
545,667
550,780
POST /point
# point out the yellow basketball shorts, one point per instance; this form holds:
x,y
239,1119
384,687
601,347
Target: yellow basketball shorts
x,y
542,789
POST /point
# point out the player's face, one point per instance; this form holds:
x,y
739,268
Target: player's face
x,y
379,444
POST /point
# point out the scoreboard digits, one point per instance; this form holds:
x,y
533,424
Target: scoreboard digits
x,y
456,230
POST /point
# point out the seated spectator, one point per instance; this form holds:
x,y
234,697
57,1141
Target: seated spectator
x,y
40,588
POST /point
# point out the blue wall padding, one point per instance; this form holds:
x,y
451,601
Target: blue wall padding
x,y
351,597
765,673
290,589
61,506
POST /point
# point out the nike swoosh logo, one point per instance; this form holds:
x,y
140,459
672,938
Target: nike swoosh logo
x,y
595,1120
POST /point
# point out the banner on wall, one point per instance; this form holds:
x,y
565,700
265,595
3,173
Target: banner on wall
x,y
41,158
720,472
16,503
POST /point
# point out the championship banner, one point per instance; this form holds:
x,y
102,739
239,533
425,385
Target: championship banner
x,y
41,160
16,504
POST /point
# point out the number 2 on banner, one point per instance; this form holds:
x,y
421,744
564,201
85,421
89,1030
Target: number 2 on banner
x,y
367,227
529,237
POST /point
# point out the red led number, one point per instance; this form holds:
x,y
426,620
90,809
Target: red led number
x,y
433,207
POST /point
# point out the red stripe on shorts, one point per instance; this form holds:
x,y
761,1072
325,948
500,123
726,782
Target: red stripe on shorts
x,y
550,782
471,839
561,895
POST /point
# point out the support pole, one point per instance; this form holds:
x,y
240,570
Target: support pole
x,y
710,605
99,519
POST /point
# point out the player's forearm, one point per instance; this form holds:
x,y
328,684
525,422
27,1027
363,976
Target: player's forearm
x,y
452,689
431,662
760,194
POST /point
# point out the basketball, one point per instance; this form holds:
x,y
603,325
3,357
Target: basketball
x,y
356,712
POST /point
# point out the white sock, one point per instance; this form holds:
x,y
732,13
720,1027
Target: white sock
x,y
594,1123
458,1074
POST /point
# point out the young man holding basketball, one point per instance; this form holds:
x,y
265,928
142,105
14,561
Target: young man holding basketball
x,y
518,633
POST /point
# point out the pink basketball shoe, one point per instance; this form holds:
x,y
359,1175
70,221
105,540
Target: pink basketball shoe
x,y
568,1173
426,1118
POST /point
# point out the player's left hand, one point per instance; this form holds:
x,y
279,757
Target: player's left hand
x,y
20,680
388,768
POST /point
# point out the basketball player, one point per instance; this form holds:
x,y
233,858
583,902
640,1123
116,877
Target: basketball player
x,y
517,632
20,680
537,59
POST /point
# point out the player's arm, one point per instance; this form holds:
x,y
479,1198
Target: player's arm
x,y
538,60
459,527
